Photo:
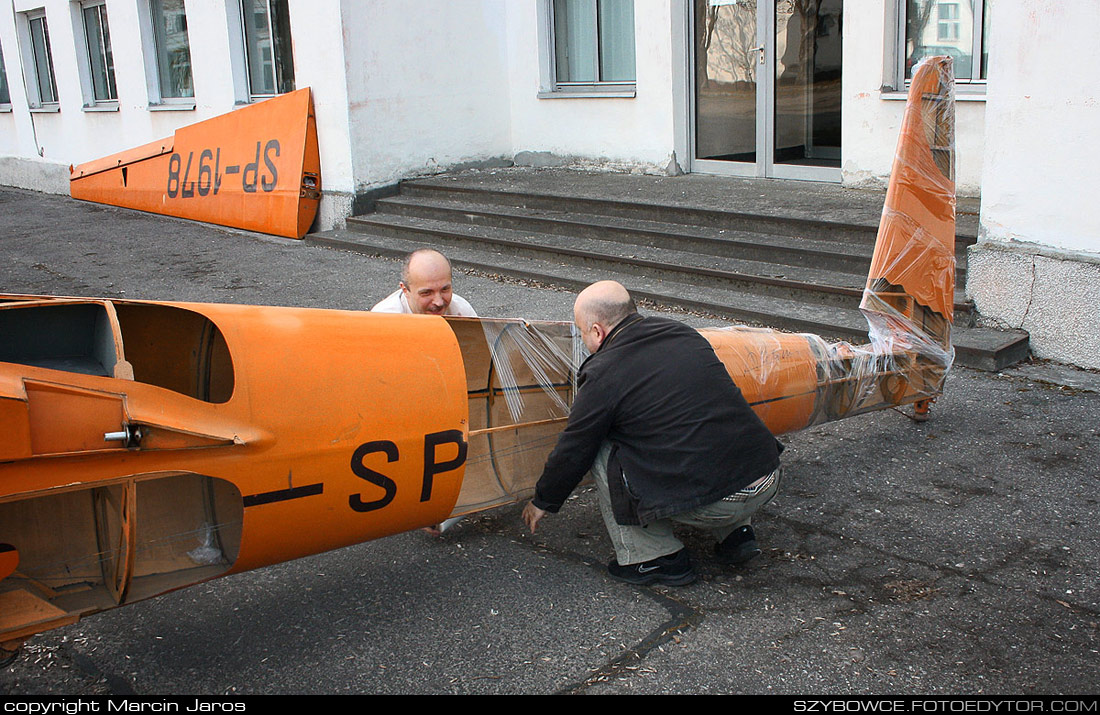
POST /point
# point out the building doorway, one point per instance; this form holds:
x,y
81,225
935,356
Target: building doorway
x,y
766,91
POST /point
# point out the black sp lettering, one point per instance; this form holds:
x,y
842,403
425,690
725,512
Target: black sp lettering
x,y
187,191
270,185
206,173
173,176
253,168
355,501
217,176
431,467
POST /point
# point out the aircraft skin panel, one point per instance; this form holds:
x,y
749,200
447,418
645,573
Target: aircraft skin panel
x,y
255,168
309,436
125,158
915,250
242,436
916,246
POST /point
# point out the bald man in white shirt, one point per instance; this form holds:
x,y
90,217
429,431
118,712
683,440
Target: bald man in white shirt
x,y
425,288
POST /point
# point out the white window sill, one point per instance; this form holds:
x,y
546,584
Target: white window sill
x,y
5,108
594,91
961,95
173,107
46,109
101,107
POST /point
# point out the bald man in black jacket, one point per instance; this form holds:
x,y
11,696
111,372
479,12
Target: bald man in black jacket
x,y
668,437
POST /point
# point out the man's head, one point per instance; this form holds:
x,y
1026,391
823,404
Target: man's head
x,y
426,282
598,309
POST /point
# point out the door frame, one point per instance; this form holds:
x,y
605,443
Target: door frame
x,y
765,166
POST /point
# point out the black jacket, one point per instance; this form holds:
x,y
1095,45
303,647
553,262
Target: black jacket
x,y
682,434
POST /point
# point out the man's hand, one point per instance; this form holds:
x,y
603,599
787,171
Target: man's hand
x,y
532,515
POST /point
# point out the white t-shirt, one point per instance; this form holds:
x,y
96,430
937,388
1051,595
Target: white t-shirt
x,y
395,303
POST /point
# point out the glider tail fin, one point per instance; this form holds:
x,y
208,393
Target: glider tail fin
x,y
910,294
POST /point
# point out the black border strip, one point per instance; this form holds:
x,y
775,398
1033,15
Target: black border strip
x,y
284,494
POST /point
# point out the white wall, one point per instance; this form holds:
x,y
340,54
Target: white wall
x,y
1043,160
871,117
628,132
319,63
427,86
75,134
1037,263
15,126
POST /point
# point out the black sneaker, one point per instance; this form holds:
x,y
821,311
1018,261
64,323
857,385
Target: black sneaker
x,y
672,570
738,548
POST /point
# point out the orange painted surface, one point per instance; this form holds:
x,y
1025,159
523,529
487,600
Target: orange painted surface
x,y
916,240
9,560
777,374
317,429
255,168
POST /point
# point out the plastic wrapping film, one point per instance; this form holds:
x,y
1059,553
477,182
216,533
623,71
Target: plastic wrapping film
x,y
520,380
521,374
797,380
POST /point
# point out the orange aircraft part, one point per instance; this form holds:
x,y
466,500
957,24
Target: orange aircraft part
x,y
149,446
255,168
251,415
915,249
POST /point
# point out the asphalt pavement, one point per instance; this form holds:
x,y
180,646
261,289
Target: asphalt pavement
x,y
954,556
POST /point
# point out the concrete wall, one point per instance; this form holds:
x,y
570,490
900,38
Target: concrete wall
x,y
1037,263
427,86
623,133
872,112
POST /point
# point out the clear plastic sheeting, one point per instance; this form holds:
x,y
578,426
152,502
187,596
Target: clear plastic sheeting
x,y
206,553
911,283
520,380
522,344
521,375
794,381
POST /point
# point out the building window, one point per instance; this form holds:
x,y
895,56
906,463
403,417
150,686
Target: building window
x,y
44,87
172,50
954,28
101,64
592,45
268,51
947,22
5,96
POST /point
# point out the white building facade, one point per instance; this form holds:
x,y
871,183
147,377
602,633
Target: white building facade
x,y
801,89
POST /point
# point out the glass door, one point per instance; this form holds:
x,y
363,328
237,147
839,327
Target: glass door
x,y
767,88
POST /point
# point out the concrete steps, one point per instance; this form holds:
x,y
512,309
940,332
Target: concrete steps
x,y
788,272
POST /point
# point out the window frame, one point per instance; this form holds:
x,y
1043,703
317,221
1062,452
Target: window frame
x,y
950,24
5,103
551,87
154,47
972,87
26,28
88,65
277,69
